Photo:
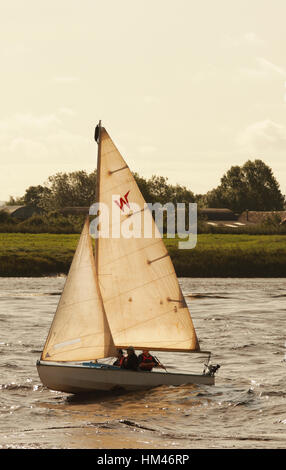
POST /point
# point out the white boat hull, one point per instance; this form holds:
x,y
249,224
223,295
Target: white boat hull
x,y
79,378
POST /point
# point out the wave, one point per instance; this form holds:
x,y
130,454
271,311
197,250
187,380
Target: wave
x,y
273,393
243,346
19,387
27,294
133,424
206,296
10,365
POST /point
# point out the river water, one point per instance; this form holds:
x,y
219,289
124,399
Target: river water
x,y
242,321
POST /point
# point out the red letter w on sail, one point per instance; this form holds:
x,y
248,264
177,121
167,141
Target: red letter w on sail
x,y
122,201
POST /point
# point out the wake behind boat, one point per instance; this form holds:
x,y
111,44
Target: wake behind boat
x,y
126,293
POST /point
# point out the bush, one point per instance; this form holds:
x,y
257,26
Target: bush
x,y
6,218
35,220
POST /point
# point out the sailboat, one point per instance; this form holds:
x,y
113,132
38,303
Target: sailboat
x,y
124,292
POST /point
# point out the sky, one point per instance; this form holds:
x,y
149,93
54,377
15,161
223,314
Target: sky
x,y
186,89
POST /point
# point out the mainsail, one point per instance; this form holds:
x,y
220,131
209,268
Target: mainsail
x,y
80,329
142,298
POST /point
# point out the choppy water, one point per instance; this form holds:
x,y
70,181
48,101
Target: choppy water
x,y
242,321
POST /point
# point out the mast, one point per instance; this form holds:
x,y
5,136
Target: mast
x,y
97,138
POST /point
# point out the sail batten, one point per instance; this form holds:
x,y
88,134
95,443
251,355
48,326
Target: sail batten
x,y
136,274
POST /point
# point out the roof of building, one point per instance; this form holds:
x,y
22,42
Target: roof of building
x,y
10,209
217,214
256,217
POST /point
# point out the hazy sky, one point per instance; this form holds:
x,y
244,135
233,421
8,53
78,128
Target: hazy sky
x,y
185,88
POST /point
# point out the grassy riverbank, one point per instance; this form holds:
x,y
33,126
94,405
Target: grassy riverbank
x,y
215,255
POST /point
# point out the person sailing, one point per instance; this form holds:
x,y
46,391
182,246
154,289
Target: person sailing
x,y
131,361
120,358
147,362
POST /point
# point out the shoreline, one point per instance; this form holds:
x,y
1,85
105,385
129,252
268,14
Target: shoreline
x,y
215,255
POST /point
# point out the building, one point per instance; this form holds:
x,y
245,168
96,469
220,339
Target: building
x,y
21,212
257,217
220,217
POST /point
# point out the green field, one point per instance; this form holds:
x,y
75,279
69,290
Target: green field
x,y
215,255
230,255
25,254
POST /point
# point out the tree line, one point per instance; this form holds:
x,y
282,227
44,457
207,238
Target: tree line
x,y
251,186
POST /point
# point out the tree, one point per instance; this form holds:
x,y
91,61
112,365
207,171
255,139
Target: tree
x,y
251,186
18,201
36,196
63,190
144,186
79,189
72,189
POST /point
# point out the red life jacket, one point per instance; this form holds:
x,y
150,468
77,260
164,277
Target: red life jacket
x,y
147,359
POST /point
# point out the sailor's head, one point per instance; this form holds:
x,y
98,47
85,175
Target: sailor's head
x,y
130,350
119,352
145,351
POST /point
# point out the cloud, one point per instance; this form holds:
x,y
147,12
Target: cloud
x,y
263,136
245,39
40,139
27,149
34,147
21,121
67,112
263,69
269,66
252,38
